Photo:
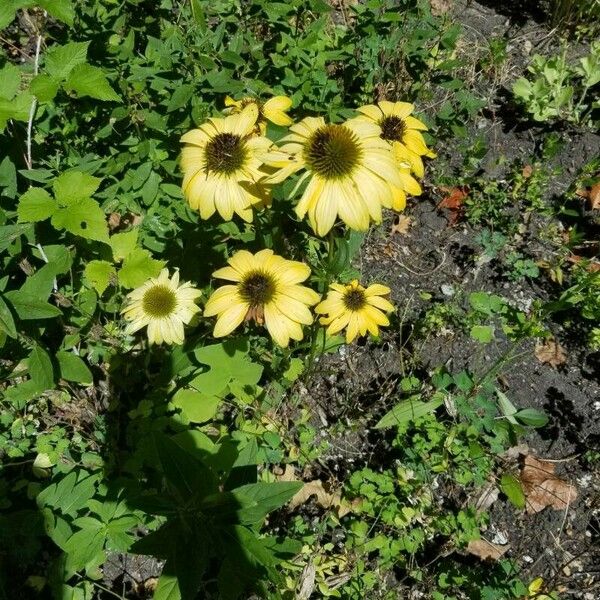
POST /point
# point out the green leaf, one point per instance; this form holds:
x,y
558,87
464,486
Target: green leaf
x,y
7,323
87,80
228,363
84,218
511,486
28,308
7,14
138,267
168,587
484,334
507,408
532,417
61,60
409,410
180,97
259,499
40,369
197,407
9,233
99,274
10,80
73,368
123,244
36,204
60,9
17,109
74,185
187,475
522,88
44,87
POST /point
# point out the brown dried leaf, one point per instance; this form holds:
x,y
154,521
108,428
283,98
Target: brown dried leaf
x,y
401,225
440,7
550,352
594,197
527,171
324,498
543,488
114,220
453,201
486,550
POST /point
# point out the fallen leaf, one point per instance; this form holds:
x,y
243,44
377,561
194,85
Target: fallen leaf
x,y
550,352
453,201
440,7
401,225
527,171
543,488
307,582
592,266
486,550
488,496
114,220
592,195
315,488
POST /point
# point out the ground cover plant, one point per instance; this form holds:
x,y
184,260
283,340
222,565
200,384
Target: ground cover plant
x,y
298,300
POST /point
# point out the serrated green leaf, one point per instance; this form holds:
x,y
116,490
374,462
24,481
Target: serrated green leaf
x,y
484,334
28,308
18,109
99,274
44,87
9,233
138,267
123,244
10,80
84,218
36,204
40,369
73,368
74,185
511,486
168,587
259,499
61,10
87,80
61,60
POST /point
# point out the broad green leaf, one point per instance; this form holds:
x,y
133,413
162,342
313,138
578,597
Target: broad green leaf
x,y
8,177
18,109
138,267
228,363
484,334
7,13
60,9
99,274
36,204
84,218
507,408
10,80
187,475
28,308
168,587
9,233
60,60
87,80
39,285
522,88
44,87
408,410
180,97
74,185
73,368
532,417
259,499
197,407
40,369
7,323
511,486
123,244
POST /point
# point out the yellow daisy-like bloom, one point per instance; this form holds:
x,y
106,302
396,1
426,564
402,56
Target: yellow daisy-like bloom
x,y
274,110
162,305
221,163
355,308
402,131
351,169
265,289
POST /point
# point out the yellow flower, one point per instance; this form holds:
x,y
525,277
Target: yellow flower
x,y
351,169
273,110
401,130
162,305
266,289
221,163
356,308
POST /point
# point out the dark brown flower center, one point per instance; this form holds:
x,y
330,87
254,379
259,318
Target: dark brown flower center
x,y
333,151
257,288
159,301
355,299
392,128
225,153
